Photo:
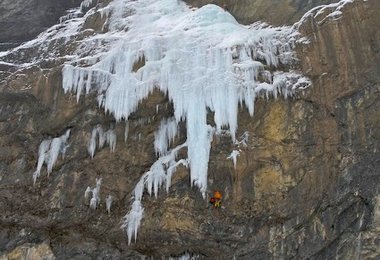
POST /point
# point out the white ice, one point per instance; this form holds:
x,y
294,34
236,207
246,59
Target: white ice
x,y
109,200
95,200
48,153
99,138
323,12
185,52
201,58
159,174
132,220
87,193
233,156
165,136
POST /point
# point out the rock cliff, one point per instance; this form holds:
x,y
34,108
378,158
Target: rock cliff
x,y
21,21
305,185
273,12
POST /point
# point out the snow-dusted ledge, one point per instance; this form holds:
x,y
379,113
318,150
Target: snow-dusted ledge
x,y
322,13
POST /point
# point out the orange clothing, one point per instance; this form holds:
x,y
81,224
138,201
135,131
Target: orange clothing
x,y
216,200
217,195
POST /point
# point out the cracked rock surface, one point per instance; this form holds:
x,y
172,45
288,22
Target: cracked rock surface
x,y
306,184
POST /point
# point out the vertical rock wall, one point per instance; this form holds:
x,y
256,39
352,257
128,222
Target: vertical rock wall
x,y
305,186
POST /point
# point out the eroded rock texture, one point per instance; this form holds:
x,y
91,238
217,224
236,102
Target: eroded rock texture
x,y
306,184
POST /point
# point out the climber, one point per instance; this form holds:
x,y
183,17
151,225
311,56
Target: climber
x,y
216,200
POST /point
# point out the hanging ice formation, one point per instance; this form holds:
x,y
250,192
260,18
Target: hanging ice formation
x,y
201,58
108,137
165,136
95,200
109,200
86,4
233,156
160,173
48,153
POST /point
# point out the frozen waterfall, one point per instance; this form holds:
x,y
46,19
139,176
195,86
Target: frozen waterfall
x,y
201,58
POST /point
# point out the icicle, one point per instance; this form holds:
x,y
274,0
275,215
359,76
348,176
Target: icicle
x,y
111,139
95,200
132,220
165,136
109,203
233,156
92,143
108,137
102,136
87,193
48,153
36,174
86,4
93,203
55,147
185,59
171,170
202,59
42,158
98,182
152,180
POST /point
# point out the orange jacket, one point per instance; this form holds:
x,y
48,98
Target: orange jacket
x,y
217,195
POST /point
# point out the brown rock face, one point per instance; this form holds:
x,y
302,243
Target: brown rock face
x,y
30,252
276,12
305,186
